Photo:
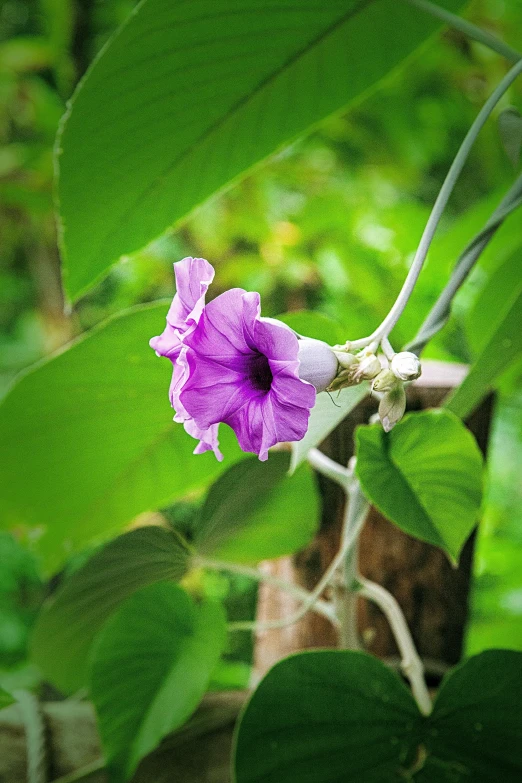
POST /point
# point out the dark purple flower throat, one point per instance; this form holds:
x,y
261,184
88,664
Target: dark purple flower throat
x,y
259,372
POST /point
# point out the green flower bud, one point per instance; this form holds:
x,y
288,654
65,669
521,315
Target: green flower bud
x,y
392,407
342,380
385,381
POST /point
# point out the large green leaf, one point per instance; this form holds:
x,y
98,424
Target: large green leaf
x,y
189,95
510,130
255,511
322,717
503,347
496,334
329,410
70,620
425,475
475,730
150,668
88,439
499,287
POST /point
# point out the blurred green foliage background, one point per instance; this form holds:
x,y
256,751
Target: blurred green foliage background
x,y
330,224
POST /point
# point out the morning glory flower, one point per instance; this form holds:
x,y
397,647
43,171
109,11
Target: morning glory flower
x,y
232,366
244,371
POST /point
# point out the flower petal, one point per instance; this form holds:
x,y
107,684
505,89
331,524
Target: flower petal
x,y
226,327
193,277
208,438
289,389
211,391
276,342
255,427
263,422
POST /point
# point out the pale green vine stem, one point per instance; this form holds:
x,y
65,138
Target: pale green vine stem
x,y
345,599
329,468
355,499
387,349
354,520
320,607
468,28
411,663
442,199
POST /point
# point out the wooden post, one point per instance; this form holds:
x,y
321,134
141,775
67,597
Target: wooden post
x,y
432,594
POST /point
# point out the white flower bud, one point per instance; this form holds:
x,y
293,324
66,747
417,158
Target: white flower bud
x,y
346,360
406,366
369,367
317,363
392,407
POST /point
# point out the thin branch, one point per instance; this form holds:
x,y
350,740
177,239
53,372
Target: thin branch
x,y
468,28
354,520
411,663
440,204
321,607
329,468
387,349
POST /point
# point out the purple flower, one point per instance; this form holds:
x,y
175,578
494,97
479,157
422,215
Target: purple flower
x,y
243,370
232,366
193,277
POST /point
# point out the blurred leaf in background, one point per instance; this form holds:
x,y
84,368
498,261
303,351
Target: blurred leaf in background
x,y
21,595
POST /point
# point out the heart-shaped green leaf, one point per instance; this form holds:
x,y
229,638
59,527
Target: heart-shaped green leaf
x,y
70,620
150,668
502,343
256,511
425,475
330,716
327,716
475,729
310,323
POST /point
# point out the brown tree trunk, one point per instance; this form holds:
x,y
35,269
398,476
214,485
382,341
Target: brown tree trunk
x,y
432,594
